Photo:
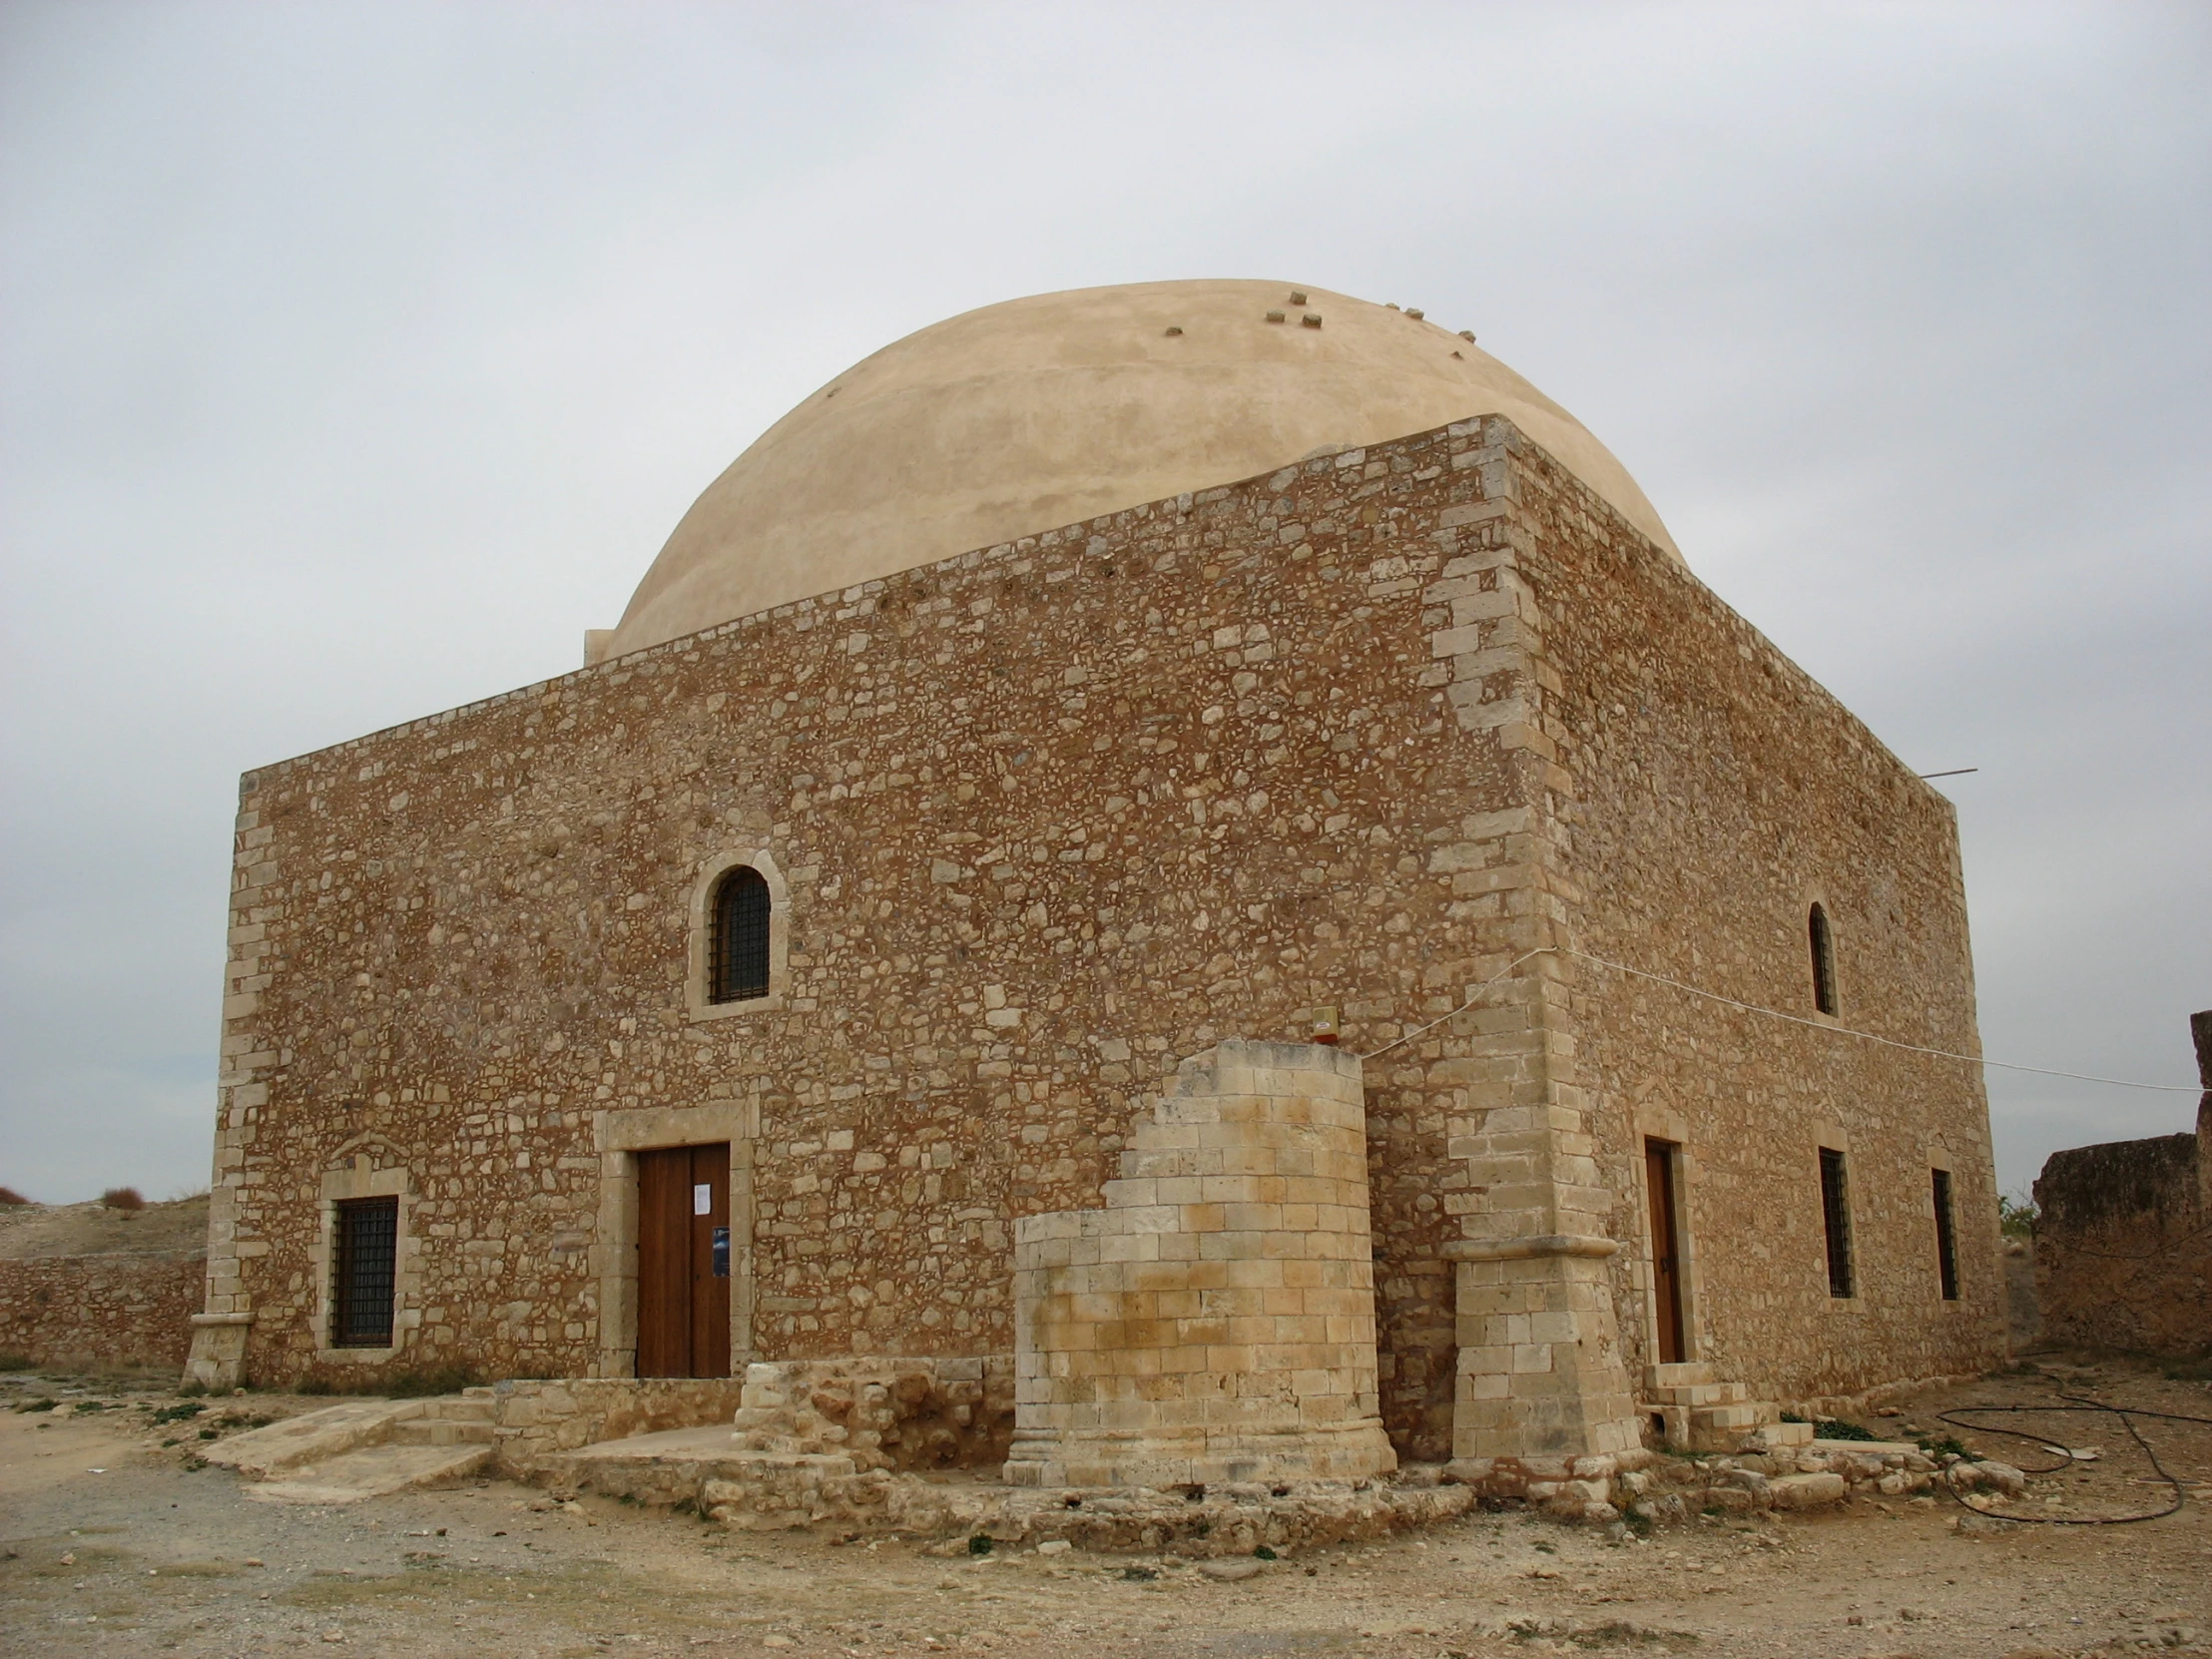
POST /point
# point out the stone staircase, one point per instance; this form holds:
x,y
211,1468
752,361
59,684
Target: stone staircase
x,y
810,1440
455,1419
1698,1413
781,1462
363,1450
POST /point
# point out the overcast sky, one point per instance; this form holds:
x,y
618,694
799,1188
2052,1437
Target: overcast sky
x,y
355,360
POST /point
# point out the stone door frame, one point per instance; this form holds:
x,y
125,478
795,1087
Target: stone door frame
x,y
1656,1123
617,1135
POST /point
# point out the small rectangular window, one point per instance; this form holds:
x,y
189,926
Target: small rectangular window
x,y
1946,1239
1836,1219
363,1269
1823,940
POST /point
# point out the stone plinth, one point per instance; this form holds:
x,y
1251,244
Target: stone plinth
x,y
1216,1320
1539,1374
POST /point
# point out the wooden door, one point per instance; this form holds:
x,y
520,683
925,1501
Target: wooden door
x,y
1666,1250
683,1280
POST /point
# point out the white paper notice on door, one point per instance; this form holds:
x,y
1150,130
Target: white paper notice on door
x,y
702,1198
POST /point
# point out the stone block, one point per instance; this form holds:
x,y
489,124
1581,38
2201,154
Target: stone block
x,y
1805,1492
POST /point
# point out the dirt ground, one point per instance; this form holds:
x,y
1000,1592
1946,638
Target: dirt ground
x,y
28,1229
116,1543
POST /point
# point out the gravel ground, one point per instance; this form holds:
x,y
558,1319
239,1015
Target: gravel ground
x,y
116,1543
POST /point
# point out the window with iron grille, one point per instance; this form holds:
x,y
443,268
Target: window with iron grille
x,y
1824,961
738,949
1947,1238
365,1264
1836,1219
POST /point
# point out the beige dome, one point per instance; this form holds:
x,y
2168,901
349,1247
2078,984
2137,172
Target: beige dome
x,y
1044,412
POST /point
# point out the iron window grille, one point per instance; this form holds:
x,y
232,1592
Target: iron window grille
x,y
364,1270
1835,1222
739,946
1946,1237
1824,961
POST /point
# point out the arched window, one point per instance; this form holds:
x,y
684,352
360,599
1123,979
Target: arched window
x,y
1824,961
738,946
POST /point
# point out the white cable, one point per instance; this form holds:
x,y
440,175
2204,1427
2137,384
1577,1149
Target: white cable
x,y
1462,1008
1770,1013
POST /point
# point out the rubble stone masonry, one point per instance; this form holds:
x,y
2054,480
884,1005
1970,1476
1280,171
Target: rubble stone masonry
x,y
1701,794
126,1308
2123,1236
1048,819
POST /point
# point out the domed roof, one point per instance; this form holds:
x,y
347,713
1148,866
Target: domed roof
x,y
1039,413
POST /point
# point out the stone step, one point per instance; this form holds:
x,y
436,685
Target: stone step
x,y
463,1409
1774,1436
371,1472
316,1438
1744,1416
440,1431
754,1442
1681,1375
1732,1425
672,1466
312,1438
1702,1393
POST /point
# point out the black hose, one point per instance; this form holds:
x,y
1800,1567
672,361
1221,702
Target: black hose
x,y
2126,1414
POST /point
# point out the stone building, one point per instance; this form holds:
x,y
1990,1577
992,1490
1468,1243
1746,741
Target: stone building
x,y
1103,856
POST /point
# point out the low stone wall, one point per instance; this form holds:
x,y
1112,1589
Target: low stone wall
x,y
131,1307
761,1491
2123,1237
908,1414
1808,1476
901,1415
1216,1522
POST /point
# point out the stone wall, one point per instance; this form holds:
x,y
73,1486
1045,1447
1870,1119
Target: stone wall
x,y
1048,819
2123,1237
1216,1320
1052,816
1690,793
127,1309
882,1411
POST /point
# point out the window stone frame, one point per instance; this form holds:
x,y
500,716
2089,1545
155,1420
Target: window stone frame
x,y
360,1176
1829,1135
1815,899
698,1002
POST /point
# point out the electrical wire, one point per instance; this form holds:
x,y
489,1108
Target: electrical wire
x,y
2126,1413
1770,1013
1956,1417
1473,999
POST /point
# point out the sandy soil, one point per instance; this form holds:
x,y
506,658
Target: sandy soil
x,y
2022,1316
116,1544
28,1229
